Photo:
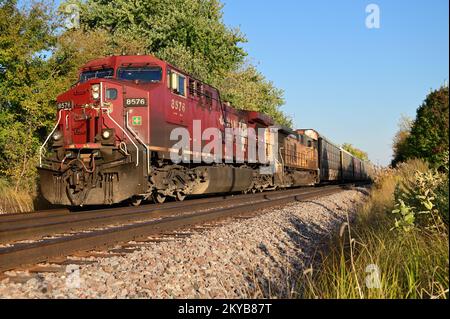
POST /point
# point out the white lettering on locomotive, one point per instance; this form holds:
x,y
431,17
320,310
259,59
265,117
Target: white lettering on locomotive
x,y
241,144
178,106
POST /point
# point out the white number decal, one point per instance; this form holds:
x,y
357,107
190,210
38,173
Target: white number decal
x,y
178,106
136,102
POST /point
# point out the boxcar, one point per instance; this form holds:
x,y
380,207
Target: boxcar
x,y
347,166
329,161
357,171
364,166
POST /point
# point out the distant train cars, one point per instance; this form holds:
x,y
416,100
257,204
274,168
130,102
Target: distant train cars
x,y
336,164
120,126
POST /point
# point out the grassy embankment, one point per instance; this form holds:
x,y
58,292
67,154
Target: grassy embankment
x,y
14,200
401,233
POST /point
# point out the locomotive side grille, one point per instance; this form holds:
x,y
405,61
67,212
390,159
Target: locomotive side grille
x,y
298,155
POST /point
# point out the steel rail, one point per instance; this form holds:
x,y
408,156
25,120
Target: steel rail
x,y
32,253
30,229
32,215
13,217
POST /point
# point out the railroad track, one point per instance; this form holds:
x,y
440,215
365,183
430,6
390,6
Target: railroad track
x,y
59,233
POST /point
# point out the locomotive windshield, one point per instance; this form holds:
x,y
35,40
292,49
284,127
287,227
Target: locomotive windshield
x,y
102,73
144,74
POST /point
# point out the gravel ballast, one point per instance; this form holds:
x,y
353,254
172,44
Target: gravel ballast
x,y
257,257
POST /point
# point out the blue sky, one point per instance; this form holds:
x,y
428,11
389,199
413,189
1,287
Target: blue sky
x,y
349,82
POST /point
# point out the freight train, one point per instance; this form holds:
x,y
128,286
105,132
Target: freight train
x,y
118,128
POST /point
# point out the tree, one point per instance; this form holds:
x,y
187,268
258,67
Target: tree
x,y
75,47
191,35
247,89
188,33
428,138
399,144
355,151
26,87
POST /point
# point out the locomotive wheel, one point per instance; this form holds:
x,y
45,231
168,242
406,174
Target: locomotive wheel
x,y
159,198
180,196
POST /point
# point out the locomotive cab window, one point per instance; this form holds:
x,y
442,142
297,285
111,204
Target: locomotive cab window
x,y
192,88
96,74
181,85
176,83
142,74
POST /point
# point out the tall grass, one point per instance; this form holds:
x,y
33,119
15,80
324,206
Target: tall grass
x,y
371,259
15,201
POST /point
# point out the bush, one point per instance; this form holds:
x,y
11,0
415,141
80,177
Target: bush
x,y
421,198
370,260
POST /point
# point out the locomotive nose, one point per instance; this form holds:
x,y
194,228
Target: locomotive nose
x,y
82,124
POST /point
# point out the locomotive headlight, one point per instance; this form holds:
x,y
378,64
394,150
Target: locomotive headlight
x,y
57,136
107,137
95,91
106,134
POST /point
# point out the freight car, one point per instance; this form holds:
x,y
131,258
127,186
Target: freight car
x,y
120,127
336,164
329,156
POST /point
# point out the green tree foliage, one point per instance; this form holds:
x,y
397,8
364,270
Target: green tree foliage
x,y
428,138
355,151
191,35
77,46
26,88
246,88
399,144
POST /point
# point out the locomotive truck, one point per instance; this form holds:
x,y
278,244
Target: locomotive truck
x,y
113,141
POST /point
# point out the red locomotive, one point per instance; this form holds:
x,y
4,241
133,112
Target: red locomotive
x,y
112,140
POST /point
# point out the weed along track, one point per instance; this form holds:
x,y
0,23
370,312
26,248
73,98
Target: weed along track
x,y
50,237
